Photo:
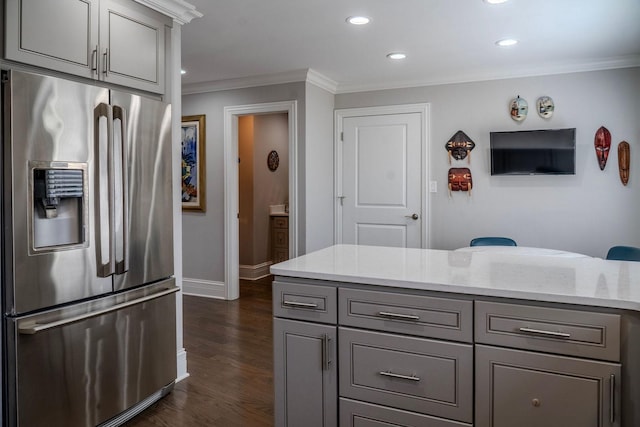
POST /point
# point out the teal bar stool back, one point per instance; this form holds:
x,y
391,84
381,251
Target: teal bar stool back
x,y
492,241
624,253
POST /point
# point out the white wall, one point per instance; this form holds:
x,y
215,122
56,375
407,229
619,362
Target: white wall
x,y
319,168
585,213
203,233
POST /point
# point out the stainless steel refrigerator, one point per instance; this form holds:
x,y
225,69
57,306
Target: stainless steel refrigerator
x,y
89,330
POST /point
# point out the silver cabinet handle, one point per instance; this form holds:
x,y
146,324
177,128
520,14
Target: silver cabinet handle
x,y
105,62
326,352
300,304
398,315
612,398
94,60
399,376
413,216
33,328
545,333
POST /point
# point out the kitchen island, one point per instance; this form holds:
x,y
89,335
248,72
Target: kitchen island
x,y
369,335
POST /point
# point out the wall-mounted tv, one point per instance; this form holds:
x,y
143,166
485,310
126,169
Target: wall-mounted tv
x,y
533,152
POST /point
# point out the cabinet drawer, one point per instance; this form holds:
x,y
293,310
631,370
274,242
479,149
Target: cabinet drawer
x,y
526,389
552,330
280,238
415,374
361,414
280,222
407,314
305,302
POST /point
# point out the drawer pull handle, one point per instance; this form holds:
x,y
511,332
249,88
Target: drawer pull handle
x,y
399,376
612,398
326,352
300,304
399,316
545,333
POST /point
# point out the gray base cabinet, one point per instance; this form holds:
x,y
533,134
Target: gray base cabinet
x,y
305,374
526,389
414,358
115,41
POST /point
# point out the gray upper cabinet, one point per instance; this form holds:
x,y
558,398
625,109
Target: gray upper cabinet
x,y
116,41
59,35
131,45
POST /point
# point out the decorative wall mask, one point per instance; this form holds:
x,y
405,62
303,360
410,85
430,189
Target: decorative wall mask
x,y
460,146
460,180
273,160
624,157
602,145
519,109
545,107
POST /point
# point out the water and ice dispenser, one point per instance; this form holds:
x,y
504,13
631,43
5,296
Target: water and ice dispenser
x,y
58,206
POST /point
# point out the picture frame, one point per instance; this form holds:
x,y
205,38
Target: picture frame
x,y
193,163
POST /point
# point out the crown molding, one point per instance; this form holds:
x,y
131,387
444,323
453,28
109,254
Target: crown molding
x,y
179,10
306,75
322,81
313,77
615,63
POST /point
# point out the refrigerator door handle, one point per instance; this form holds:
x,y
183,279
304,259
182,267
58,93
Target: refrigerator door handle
x,y
105,223
32,328
122,191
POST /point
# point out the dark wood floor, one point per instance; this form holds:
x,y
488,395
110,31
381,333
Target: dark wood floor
x,y
230,361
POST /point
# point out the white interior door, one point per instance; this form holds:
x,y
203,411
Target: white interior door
x,y
382,192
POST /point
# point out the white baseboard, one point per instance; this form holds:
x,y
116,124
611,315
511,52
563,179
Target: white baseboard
x,y
255,272
203,288
182,365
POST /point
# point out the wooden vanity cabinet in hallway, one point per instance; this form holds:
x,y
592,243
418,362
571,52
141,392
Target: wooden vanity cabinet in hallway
x,y
279,238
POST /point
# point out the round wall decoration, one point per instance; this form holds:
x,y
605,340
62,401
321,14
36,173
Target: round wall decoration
x,y
273,160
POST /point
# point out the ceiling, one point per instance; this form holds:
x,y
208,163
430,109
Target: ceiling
x,y
446,41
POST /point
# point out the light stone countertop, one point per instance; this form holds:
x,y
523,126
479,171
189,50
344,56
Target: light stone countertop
x,y
574,280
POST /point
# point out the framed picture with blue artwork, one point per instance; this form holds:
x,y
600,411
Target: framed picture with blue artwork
x,y
193,163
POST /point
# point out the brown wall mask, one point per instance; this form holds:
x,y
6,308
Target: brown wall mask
x,y
460,180
624,157
602,143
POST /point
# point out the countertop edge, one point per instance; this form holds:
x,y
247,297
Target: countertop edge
x,y
462,289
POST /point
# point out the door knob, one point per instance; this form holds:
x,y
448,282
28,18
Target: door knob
x,y
414,216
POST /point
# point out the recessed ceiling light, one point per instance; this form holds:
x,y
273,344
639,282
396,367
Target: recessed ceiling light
x,y
396,55
183,72
495,1
507,42
358,20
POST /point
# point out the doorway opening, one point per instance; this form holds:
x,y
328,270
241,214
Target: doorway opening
x,y
232,119
263,184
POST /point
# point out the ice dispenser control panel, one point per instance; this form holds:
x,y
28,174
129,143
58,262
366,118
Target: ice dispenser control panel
x,y
58,207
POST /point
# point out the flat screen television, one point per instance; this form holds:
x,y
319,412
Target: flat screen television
x,y
533,152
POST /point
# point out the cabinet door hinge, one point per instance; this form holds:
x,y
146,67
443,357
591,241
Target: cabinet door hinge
x,y
342,136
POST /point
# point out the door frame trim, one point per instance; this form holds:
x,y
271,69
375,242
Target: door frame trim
x,y
231,185
339,116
